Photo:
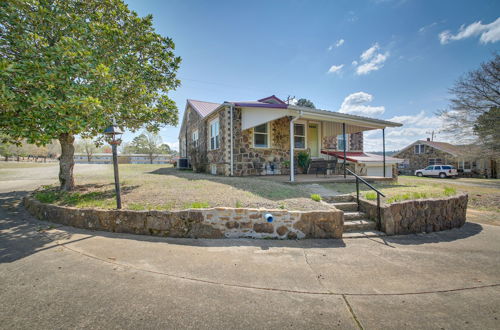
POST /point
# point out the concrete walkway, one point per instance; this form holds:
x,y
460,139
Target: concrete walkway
x,y
64,277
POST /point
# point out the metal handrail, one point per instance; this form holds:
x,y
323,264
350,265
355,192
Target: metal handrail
x,y
379,193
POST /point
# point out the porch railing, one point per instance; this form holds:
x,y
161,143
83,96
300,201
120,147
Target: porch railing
x,y
360,179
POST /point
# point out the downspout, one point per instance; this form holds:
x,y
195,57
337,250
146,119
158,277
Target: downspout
x,y
292,145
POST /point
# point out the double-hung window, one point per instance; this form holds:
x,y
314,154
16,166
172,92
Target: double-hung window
x,y
299,136
261,136
341,142
214,134
419,149
194,137
435,161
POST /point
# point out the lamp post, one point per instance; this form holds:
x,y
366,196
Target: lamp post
x,y
113,135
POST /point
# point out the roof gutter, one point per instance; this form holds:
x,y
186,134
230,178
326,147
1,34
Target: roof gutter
x,y
377,123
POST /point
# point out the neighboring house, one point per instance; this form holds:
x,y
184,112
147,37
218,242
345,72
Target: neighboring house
x,y
253,137
103,158
468,159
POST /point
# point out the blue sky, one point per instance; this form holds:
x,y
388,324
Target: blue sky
x,y
386,59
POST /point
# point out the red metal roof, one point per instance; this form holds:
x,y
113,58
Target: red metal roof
x,y
202,107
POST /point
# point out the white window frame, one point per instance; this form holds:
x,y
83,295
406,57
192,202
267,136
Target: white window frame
x,y
433,161
419,149
304,124
215,139
194,137
267,134
341,137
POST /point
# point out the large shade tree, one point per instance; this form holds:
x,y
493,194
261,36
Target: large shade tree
x,y
68,67
473,112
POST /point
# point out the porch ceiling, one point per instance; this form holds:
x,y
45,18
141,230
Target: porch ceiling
x,y
254,116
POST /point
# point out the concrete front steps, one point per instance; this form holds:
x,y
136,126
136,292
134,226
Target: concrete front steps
x,y
356,224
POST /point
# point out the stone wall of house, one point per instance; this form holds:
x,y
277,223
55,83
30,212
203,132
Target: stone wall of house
x,y
218,157
197,154
275,159
418,216
261,161
419,161
356,142
197,223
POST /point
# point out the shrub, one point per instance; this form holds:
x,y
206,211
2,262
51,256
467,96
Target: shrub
x,y
47,196
239,204
303,160
197,205
449,191
316,197
371,195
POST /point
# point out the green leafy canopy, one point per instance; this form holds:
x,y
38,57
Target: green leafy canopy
x,y
70,66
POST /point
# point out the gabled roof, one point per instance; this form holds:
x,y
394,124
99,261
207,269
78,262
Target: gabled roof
x,y
272,99
202,107
454,150
206,108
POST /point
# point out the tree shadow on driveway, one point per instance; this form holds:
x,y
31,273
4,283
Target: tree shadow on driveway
x,y
22,235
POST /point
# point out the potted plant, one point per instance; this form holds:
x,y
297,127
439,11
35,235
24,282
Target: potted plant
x,y
303,160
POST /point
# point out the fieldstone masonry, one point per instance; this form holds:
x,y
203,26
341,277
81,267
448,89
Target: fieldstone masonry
x,y
418,216
217,222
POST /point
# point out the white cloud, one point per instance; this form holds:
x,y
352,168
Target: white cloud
x,y
427,27
339,43
173,145
335,68
354,63
488,32
371,60
415,127
367,54
355,103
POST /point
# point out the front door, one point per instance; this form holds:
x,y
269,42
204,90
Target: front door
x,y
312,139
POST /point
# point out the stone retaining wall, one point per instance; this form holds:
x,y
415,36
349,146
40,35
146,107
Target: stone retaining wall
x,y
197,223
418,216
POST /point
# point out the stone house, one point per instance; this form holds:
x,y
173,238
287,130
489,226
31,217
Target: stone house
x,y
253,138
468,159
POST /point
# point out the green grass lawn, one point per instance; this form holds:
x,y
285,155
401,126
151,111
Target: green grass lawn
x,y
482,197
161,187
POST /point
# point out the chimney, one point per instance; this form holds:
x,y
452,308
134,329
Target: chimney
x,y
428,139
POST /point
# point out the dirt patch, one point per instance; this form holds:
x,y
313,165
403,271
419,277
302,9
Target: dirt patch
x,y
483,217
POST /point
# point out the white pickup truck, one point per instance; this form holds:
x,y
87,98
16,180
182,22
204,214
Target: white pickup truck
x,y
442,171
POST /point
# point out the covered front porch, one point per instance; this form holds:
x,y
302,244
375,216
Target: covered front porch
x,y
323,135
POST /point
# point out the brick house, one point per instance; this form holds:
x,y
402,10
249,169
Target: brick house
x,y
253,137
468,159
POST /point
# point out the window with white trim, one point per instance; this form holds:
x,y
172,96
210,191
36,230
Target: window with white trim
x,y
435,161
341,142
194,137
299,136
261,136
419,149
214,134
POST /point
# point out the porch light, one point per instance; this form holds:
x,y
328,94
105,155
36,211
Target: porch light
x,y
113,136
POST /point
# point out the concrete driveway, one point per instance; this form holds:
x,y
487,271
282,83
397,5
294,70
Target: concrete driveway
x,y
68,278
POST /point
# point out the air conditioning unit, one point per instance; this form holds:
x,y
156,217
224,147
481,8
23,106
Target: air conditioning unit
x,y
183,163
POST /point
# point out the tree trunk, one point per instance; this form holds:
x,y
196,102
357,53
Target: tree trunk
x,y
66,162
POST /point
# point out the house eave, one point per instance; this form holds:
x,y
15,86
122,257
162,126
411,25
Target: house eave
x,y
342,117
